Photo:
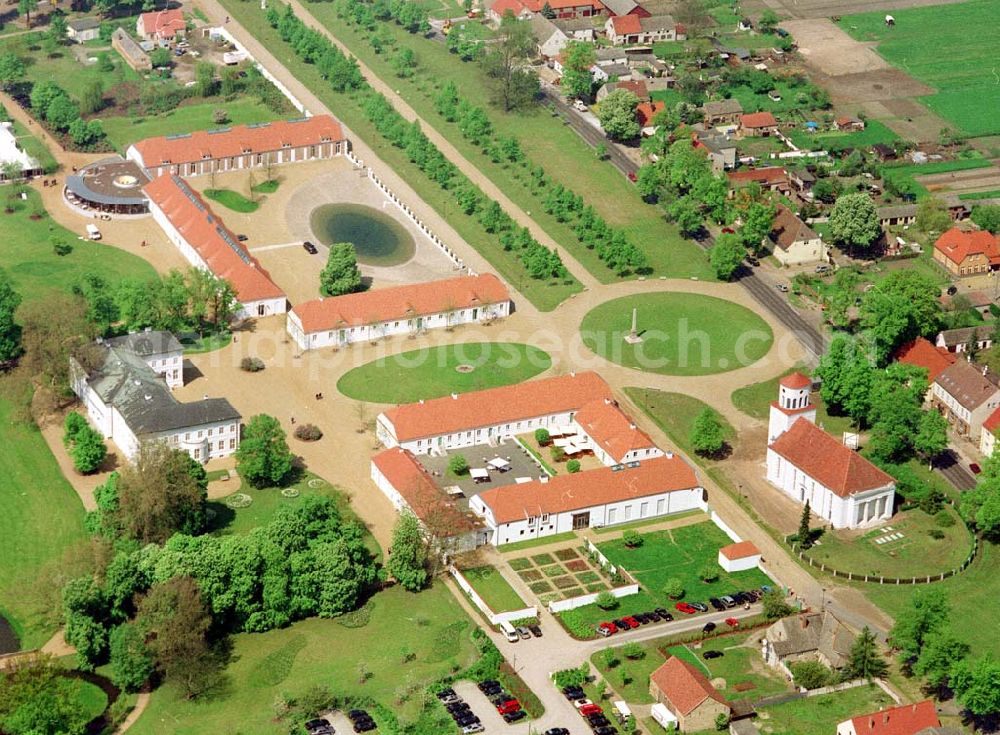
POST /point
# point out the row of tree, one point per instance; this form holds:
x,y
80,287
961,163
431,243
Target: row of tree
x,y
53,105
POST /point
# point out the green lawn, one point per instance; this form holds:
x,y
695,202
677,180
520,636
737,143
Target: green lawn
x,y
821,715
232,200
906,174
755,401
544,294
834,140
90,699
35,148
546,140
938,45
619,527
683,334
37,271
266,187
208,343
532,543
123,131
431,625
493,589
675,414
433,372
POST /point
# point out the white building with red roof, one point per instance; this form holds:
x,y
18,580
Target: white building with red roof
x,y
612,435
161,25
240,147
906,719
688,694
206,243
807,464
739,557
338,321
636,29
524,9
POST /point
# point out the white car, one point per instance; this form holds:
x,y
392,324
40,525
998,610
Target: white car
x,y
581,703
579,105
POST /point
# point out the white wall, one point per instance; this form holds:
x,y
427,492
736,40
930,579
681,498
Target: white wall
x,y
574,602
739,565
802,251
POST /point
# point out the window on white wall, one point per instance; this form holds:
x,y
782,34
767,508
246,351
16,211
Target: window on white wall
x,y
612,515
660,506
644,510
628,512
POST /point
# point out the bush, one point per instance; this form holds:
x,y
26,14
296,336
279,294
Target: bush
x,y
220,117
543,437
251,364
775,606
558,454
458,465
673,588
936,533
61,248
308,432
572,677
709,573
811,674
632,539
606,601
944,519
573,466
72,426
633,651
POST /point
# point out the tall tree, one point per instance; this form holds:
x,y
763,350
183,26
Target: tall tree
x,y
927,611
804,535
10,331
263,458
37,698
932,215
11,69
506,62
854,221
408,560
26,8
340,275
977,685
577,80
902,306
617,115
707,436
941,652
727,255
131,659
986,216
865,660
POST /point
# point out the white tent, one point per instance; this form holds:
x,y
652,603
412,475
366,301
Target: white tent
x,y
663,715
499,463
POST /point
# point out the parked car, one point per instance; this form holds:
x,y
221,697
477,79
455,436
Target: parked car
x,y
605,731
664,614
599,720
511,717
765,588
823,268
473,728
781,287
686,608
487,684
523,632
632,177
621,624
699,606
590,709
712,654
309,248
632,622
358,714
535,631
573,693
653,616
716,603
708,627
319,726
446,693
242,238
509,706
579,105
606,629
581,703
365,726
728,601
976,469
732,622
556,731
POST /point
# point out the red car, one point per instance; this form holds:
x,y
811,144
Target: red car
x,y
976,469
511,705
632,622
686,608
607,629
590,709
732,622
632,177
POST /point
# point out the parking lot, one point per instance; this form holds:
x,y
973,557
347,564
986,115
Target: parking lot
x,y
493,723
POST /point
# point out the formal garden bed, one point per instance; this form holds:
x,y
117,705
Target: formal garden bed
x,y
561,574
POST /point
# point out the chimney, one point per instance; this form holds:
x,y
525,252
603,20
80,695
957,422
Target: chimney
x,y
607,401
572,373
204,397
421,401
454,396
985,370
543,479
631,426
670,455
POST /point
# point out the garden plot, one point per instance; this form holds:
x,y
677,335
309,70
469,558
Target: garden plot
x,y
561,574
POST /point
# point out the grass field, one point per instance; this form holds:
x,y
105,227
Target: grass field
x,y
90,699
433,372
906,175
820,715
493,588
939,45
683,334
232,200
430,625
35,148
755,401
545,295
546,140
834,140
675,414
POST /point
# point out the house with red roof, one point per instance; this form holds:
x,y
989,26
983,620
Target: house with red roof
x,y
688,694
646,112
612,435
906,719
807,464
988,438
770,178
628,30
338,321
922,353
524,9
206,243
163,26
240,147
739,557
515,7
967,252
848,124
758,124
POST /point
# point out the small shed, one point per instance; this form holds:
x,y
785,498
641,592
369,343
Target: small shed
x,y
739,557
83,30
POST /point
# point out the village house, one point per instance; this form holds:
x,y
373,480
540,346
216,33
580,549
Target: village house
x,y
128,400
161,26
802,179
638,88
130,51
337,321
988,436
645,115
958,340
687,693
906,719
967,252
206,243
898,215
804,462
966,395
771,178
82,30
524,9
611,435
625,7
550,38
721,112
241,147
758,125
636,29
848,124
795,242
921,353
811,636
577,29
515,7
720,148
739,557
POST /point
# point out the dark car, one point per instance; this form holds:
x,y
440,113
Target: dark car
x,y
573,693
699,606
708,627
487,684
364,725
605,731
497,700
641,617
514,716
716,603
664,614
712,654
319,726
621,624
556,731
445,693
358,714
457,707
535,631
976,469
740,597
242,238
653,616
309,248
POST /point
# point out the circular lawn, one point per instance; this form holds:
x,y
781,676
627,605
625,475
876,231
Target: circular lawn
x,y
437,371
682,333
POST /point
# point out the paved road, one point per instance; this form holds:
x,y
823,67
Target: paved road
x,y
953,469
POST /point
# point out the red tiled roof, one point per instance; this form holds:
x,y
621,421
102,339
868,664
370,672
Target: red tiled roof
x,y
907,719
827,461
163,23
968,384
768,175
922,353
208,235
636,87
400,302
502,6
796,380
684,686
646,111
758,120
569,492
496,406
607,424
535,6
625,24
427,501
238,141
740,550
957,244
992,422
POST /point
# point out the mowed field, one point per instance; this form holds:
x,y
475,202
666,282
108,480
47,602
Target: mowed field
x,y
949,47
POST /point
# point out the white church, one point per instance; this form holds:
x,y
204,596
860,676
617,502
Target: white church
x,y
806,463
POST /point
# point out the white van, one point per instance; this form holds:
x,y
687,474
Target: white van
x,y
93,233
508,631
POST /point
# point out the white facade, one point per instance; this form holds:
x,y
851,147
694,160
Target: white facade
x,y
406,326
292,154
739,565
633,455
608,514
987,442
801,251
793,403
